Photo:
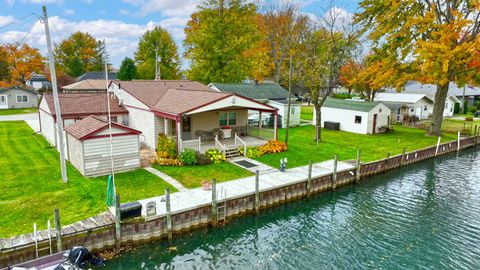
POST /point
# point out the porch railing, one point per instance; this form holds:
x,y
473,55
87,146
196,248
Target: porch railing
x,y
238,142
191,144
220,146
262,133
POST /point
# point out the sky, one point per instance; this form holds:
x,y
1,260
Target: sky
x,y
119,22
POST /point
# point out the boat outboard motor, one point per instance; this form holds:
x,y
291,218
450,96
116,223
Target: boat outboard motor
x,y
78,258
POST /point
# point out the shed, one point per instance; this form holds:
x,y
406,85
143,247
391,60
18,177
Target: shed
x,y
355,116
88,146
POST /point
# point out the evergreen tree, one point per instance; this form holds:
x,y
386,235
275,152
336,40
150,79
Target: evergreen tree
x,y
74,67
218,38
128,70
160,41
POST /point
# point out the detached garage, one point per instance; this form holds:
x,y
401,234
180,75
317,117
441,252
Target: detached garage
x,y
88,145
355,116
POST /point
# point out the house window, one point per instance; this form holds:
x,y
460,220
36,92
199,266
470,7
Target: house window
x,y
232,118
425,108
22,99
223,119
228,119
358,119
114,119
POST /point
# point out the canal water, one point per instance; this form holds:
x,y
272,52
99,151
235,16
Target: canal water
x,y
425,216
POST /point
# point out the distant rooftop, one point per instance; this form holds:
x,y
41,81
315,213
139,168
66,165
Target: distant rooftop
x,y
363,106
254,90
86,85
96,75
401,97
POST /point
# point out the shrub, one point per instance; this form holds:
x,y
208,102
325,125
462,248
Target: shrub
x,y
472,109
469,119
203,159
216,156
273,147
166,147
169,162
252,151
188,157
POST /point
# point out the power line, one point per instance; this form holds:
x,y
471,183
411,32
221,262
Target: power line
x,y
28,32
56,31
18,20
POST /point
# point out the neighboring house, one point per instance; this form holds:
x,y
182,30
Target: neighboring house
x,y
96,75
398,112
17,97
269,93
419,105
86,86
88,146
75,107
355,116
195,115
38,81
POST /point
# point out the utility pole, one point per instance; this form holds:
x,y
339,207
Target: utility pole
x,y
289,99
55,97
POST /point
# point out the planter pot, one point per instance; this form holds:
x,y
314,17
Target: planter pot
x,y
227,133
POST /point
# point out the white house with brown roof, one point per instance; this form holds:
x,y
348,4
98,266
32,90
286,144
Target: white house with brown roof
x,y
419,105
75,107
197,116
88,146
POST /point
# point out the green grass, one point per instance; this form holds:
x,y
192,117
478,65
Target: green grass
x,y
303,148
192,176
31,185
451,125
306,113
18,111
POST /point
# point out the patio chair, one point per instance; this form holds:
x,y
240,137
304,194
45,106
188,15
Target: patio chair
x,y
217,132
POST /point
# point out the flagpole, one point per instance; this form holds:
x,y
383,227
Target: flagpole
x,y
109,122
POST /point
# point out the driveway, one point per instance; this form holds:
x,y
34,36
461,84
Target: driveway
x,y
31,119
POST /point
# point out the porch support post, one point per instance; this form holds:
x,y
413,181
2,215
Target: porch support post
x,y
165,125
179,133
260,124
275,126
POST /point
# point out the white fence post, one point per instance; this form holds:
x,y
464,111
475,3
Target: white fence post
x,y
438,145
35,238
458,142
199,144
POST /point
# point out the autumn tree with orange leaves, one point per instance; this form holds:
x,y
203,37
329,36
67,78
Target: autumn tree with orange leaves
x,y
22,62
431,41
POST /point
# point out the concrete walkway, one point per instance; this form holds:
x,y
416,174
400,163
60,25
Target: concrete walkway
x,y
167,178
193,198
262,168
31,119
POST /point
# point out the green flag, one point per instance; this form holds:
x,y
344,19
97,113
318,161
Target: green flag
x,y
110,192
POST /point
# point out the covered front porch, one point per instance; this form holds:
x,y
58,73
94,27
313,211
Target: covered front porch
x,y
223,125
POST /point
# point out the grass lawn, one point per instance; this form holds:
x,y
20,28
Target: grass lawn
x,y
18,111
303,148
31,185
306,113
192,176
451,125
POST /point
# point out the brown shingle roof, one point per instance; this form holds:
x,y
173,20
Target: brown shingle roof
x,y
171,96
86,85
88,126
73,104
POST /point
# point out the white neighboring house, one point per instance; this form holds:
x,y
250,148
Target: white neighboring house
x,y
270,93
355,116
75,107
38,81
88,147
419,105
450,105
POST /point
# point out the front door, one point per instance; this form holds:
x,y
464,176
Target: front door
x,y
186,128
3,102
374,124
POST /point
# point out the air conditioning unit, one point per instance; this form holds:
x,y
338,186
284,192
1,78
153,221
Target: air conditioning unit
x,y
125,122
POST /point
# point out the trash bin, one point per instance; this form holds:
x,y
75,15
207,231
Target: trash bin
x,y
130,210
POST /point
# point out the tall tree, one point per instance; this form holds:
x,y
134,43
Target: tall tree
x,y
325,48
80,52
5,73
430,41
281,27
161,42
23,61
128,70
218,38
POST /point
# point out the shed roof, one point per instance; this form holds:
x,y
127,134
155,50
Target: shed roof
x,y
89,126
362,106
73,104
254,90
401,97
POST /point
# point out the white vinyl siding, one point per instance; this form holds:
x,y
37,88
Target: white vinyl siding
x,y
75,155
47,123
143,121
282,111
97,155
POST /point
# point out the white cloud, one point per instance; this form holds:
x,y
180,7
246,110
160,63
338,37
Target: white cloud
x,y
174,21
9,2
165,7
124,12
69,12
4,20
88,1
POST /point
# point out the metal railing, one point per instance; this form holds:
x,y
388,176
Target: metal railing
x,y
239,141
191,144
220,146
